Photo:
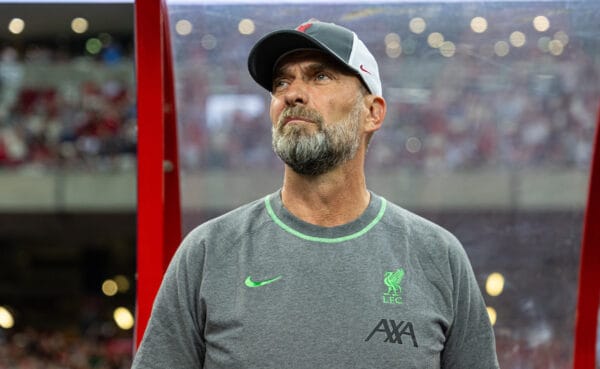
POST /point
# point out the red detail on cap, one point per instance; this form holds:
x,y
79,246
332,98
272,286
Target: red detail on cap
x,y
362,67
303,27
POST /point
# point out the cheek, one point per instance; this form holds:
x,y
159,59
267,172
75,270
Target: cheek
x,y
275,110
335,109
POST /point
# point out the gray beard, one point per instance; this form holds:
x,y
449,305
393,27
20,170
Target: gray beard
x,y
315,153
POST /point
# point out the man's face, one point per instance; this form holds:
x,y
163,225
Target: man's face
x,y
316,110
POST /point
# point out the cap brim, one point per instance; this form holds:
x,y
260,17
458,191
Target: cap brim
x,y
268,50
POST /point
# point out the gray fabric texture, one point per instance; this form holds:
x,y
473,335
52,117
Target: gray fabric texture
x,y
388,290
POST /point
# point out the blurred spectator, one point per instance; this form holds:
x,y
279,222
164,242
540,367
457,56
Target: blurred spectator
x,y
11,75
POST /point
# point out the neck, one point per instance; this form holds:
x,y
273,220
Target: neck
x,y
331,199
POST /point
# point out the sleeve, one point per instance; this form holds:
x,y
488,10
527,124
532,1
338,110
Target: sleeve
x,y
470,341
173,338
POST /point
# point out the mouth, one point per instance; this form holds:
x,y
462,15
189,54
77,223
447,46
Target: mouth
x,y
296,120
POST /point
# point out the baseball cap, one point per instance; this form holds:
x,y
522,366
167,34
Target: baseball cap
x,y
337,41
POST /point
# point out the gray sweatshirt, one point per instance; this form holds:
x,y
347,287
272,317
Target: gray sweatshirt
x,y
259,288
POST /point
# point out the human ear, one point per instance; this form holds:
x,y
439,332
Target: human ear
x,y
376,113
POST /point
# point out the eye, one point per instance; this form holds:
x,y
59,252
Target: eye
x,y
321,76
279,83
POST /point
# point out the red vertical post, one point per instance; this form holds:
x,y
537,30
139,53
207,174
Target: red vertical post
x,y
588,300
158,208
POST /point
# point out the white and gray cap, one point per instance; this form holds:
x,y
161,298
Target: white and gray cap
x,y
337,41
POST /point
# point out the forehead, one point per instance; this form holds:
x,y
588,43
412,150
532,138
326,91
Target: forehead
x,y
310,57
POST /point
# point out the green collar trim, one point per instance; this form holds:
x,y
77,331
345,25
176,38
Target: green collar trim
x,y
306,237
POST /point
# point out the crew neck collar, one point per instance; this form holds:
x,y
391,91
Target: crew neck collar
x,y
310,232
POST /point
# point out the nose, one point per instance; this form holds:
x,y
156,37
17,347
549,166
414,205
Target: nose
x,y
296,94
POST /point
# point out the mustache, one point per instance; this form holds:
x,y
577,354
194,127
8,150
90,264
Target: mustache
x,y
300,112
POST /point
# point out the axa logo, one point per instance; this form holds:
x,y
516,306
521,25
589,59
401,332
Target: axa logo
x,y
394,332
392,281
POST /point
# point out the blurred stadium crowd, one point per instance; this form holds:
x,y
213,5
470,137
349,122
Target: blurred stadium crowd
x,y
60,349
470,117
464,121
64,122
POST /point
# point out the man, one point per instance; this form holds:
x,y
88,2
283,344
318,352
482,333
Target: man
x,y
323,273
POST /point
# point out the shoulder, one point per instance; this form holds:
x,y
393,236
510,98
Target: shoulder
x,y
217,239
417,227
434,244
238,220
228,228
